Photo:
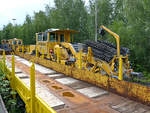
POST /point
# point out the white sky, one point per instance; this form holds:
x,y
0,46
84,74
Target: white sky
x,y
18,9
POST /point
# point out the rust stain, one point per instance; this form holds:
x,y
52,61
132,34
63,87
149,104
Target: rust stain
x,y
68,94
46,81
57,87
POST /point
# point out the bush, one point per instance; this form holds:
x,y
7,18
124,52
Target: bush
x,y
13,105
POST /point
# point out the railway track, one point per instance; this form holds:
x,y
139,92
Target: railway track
x,y
69,95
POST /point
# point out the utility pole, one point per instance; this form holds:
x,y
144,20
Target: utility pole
x,y
14,25
14,21
95,20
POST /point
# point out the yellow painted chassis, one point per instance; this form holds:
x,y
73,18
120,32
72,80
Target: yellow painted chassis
x,y
128,89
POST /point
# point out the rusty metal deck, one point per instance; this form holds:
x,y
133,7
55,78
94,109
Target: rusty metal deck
x,y
69,95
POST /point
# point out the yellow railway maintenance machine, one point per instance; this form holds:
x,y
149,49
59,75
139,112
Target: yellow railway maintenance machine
x,y
48,41
15,41
4,43
15,44
55,45
5,46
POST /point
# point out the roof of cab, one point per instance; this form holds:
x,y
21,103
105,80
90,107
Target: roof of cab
x,y
65,30
15,39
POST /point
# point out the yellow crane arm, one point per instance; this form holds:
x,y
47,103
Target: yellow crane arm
x,y
116,37
118,51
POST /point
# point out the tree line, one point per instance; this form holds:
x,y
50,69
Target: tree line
x,y
128,18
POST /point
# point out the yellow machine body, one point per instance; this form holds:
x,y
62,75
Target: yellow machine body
x,y
56,45
15,41
60,55
45,41
4,42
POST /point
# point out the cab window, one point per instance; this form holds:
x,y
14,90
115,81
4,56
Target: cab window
x,y
39,37
19,42
72,38
45,37
62,38
14,42
52,37
57,37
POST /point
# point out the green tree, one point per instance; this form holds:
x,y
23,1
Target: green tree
x,y
70,14
28,31
40,21
132,24
8,31
104,15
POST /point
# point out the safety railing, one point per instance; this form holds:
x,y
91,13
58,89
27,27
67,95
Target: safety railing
x,y
33,103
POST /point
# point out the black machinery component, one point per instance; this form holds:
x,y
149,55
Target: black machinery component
x,y
104,50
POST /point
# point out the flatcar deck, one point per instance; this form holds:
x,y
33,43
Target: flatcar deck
x,y
68,95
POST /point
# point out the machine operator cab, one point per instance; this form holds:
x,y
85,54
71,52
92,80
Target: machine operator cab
x,y
15,42
51,37
4,44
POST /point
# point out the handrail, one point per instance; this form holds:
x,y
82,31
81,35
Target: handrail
x,y
33,102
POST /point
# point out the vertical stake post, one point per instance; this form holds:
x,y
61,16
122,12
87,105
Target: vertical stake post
x,y
42,53
80,59
4,60
48,55
12,47
89,58
36,52
120,68
58,55
22,49
15,48
18,48
28,49
4,56
13,72
32,87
